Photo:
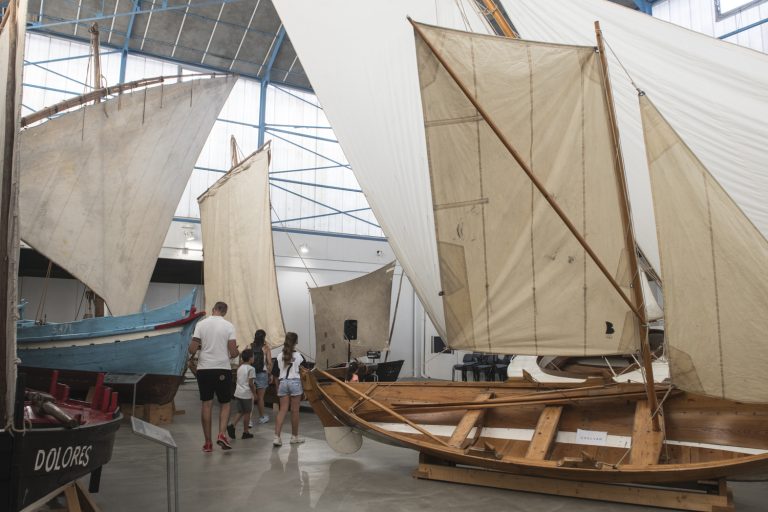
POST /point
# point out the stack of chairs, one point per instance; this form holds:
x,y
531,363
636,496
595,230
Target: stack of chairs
x,y
484,367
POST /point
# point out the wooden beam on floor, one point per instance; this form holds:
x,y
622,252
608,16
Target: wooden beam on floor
x,y
646,442
716,498
545,433
468,422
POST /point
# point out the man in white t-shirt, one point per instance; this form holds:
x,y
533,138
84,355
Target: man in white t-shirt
x,y
215,338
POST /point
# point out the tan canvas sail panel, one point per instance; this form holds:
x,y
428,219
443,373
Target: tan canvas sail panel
x,y
99,185
366,299
714,264
526,286
238,257
11,71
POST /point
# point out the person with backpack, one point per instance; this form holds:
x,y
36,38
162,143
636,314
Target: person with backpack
x,y
289,389
262,364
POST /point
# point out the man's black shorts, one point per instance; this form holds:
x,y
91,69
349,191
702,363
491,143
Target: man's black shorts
x,y
215,381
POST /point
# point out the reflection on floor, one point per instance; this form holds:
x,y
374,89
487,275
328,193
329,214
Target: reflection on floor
x,y
256,476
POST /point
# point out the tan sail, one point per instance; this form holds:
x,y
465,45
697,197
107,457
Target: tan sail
x,y
366,299
514,278
11,70
713,260
238,256
99,185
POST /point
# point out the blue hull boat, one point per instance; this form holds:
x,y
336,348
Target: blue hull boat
x,y
151,342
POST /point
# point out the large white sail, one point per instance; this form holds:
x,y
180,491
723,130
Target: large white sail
x,y
700,83
375,78
714,262
99,185
514,278
366,299
362,66
238,256
11,66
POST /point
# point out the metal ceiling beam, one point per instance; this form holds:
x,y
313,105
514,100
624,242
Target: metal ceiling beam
x,y
645,6
165,8
127,41
265,77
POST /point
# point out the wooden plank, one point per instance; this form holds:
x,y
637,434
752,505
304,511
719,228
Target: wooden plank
x,y
545,433
72,499
646,440
468,422
679,499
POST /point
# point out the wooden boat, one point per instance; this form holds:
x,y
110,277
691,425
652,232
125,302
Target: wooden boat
x,y
46,440
605,366
60,440
498,211
153,343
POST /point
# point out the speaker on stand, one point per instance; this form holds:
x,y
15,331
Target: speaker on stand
x,y
350,333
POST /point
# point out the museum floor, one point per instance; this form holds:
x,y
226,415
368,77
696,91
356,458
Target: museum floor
x,y
255,476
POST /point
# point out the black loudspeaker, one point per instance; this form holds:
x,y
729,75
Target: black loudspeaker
x,y
350,329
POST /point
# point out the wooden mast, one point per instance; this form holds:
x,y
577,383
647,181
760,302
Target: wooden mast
x,y
98,302
7,231
547,196
499,18
629,234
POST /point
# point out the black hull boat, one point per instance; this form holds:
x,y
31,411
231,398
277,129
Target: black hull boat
x,y
59,441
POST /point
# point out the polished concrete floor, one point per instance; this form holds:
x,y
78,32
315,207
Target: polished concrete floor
x,y
254,476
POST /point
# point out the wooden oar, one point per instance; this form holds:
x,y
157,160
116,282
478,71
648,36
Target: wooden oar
x,y
549,401
383,407
593,391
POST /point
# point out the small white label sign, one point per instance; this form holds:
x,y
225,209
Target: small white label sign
x,y
592,437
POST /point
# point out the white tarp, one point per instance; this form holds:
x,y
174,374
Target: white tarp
x,y
238,257
715,282
99,185
11,71
361,60
713,93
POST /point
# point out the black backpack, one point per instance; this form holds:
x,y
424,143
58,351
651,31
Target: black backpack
x,y
258,359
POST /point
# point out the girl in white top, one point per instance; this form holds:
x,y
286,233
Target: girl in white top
x,y
289,389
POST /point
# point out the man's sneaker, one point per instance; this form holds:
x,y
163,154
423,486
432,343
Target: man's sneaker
x,y
297,440
231,431
208,447
223,442
263,419
247,435
277,441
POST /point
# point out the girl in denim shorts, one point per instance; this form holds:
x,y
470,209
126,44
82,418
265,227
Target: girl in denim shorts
x,y
289,389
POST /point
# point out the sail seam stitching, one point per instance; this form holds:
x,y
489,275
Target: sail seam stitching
x,y
482,207
583,209
714,276
533,198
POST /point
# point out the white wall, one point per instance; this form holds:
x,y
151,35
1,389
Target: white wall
x,y
331,259
699,15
